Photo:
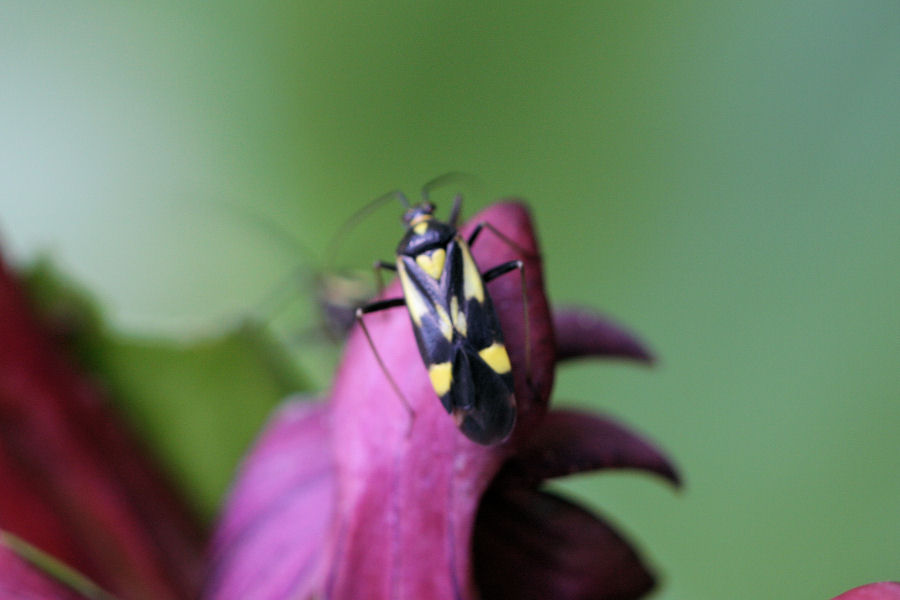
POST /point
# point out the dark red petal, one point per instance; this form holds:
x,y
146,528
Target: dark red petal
x,y
571,442
886,590
75,483
581,332
271,541
533,545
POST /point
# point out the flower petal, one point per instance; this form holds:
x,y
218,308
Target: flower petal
x,y
580,332
26,573
409,488
530,544
64,452
513,221
886,590
271,540
571,442
19,579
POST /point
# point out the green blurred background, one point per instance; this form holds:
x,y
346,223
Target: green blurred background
x,y
723,177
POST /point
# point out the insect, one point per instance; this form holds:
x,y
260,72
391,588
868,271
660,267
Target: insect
x,y
455,324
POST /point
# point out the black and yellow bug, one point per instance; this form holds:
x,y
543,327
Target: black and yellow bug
x,y
455,324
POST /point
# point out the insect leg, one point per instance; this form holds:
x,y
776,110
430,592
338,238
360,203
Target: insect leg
x,y
485,225
379,306
502,269
379,266
375,307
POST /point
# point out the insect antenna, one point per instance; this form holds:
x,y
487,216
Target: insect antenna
x,y
304,271
355,219
337,294
446,179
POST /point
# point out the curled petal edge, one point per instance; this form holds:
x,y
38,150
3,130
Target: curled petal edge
x,y
569,441
583,333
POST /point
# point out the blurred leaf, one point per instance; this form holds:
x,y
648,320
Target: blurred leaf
x,y
197,403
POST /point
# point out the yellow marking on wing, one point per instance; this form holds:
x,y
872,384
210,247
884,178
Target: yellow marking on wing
x,y
472,286
417,305
441,375
459,319
496,357
433,262
420,227
444,322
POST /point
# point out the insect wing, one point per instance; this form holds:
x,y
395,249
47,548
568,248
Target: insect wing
x,y
475,317
460,340
481,395
482,401
430,320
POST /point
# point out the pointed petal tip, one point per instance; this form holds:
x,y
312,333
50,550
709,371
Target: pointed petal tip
x,y
570,441
582,333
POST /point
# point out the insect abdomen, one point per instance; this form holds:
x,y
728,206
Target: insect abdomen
x,y
480,399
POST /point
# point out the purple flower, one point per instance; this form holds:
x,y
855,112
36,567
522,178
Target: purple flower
x,y
353,499
346,499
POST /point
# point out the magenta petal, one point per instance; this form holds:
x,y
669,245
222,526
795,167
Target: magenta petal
x,y
571,442
580,332
20,578
886,590
533,545
270,542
